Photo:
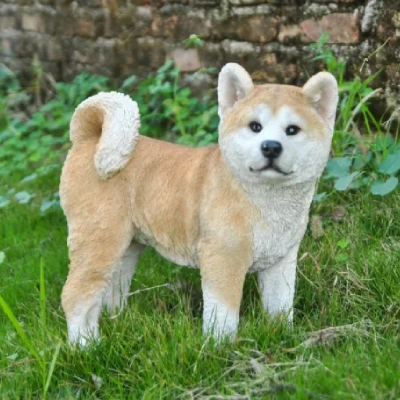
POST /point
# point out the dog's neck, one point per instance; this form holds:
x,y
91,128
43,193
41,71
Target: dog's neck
x,y
289,202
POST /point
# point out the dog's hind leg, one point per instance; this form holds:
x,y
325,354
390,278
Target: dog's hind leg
x,y
95,249
116,295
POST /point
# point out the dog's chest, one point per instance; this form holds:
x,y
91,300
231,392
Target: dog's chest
x,y
282,226
272,241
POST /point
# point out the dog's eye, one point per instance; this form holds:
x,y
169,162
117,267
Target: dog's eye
x,y
255,126
292,130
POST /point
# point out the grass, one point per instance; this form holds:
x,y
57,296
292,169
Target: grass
x,y
348,275
345,341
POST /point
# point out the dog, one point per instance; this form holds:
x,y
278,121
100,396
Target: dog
x,y
229,209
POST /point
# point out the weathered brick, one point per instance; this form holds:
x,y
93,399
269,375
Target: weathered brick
x,y
269,37
275,73
92,3
288,32
9,17
238,48
53,50
6,46
32,22
342,28
211,55
279,2
247,2
165,26
131,21
24,2
7,22
85,28
393,72
396,19
180,26
80,50
288,2
153,3
186,60
254,28
149,52
89,24
258,28
48,2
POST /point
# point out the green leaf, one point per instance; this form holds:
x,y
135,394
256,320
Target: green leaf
x,y
24,197
344,182
338,167
381,188
2,257
360,160
382,143
47,204
193,41
29,178
12,357
129,82
4,201
319,196
390,165
360,182
343,243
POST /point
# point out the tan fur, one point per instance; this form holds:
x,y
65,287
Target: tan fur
x,y
175,199
185,202
276,96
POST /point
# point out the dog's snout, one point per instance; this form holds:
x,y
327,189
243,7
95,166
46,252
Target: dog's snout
x,y
271,148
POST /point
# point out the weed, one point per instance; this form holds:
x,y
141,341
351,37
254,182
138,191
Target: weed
x,y
37,141
169,110
40,356
364,152
344,342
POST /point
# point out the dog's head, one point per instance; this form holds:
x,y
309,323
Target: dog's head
x,y
275,133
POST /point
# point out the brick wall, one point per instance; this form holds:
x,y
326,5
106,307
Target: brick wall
x,y
268,37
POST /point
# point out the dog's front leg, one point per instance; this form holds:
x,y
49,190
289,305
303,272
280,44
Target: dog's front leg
x,y
223,271
277,284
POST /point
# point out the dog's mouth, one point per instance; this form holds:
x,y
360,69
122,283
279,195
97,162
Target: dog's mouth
x,y
271,167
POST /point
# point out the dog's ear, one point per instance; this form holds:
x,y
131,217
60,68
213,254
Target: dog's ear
x,y
234,83
322,93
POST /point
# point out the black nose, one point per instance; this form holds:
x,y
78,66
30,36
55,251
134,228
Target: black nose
x,y
271,149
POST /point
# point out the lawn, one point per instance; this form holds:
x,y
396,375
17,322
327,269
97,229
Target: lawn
x,y
345,340
348,280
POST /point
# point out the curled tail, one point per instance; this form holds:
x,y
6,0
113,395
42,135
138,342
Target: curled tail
x,y
113,121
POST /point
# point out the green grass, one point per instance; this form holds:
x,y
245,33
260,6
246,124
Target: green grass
x,y
154,349
348,271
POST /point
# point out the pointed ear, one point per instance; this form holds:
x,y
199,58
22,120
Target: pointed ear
x,y
234,83
322,92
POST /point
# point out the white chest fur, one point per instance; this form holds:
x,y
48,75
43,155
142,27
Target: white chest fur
x,y
284,216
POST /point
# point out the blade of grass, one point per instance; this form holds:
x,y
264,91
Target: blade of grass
x,y
52,366
20,331
42,299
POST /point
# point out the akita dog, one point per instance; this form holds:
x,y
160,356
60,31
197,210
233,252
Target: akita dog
x,y
237,207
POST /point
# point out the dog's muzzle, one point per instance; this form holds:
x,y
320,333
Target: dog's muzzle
x,y
271,149
271,166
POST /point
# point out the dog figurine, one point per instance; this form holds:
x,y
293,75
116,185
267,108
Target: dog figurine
x,y
229,209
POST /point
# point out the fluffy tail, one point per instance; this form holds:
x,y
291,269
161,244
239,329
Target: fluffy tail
x,y
114,119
